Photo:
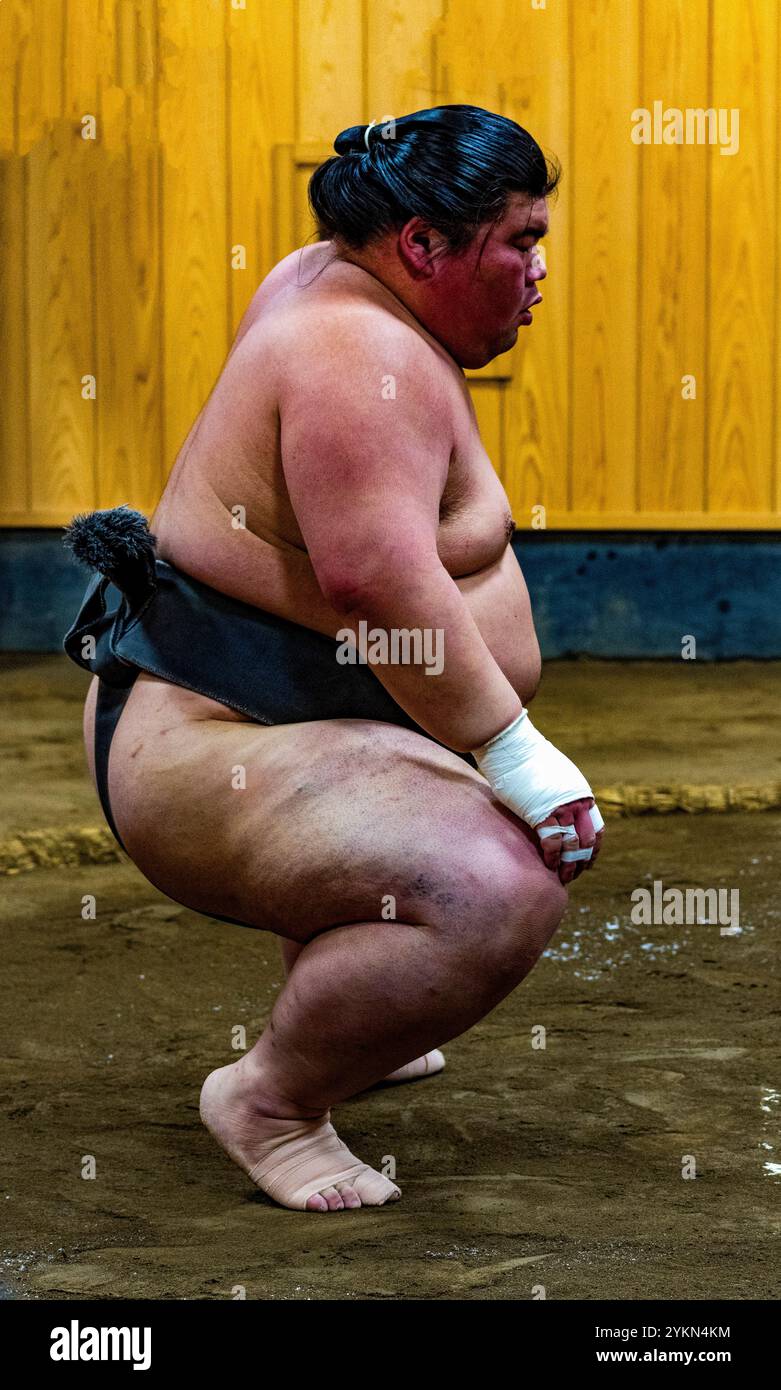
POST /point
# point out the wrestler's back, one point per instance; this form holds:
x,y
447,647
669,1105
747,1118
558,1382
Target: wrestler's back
x,y
226,516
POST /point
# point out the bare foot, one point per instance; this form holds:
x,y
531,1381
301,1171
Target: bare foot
x,y
300,1163
427,1065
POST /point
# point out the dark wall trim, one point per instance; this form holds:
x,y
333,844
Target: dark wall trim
x,y
608,594
639,593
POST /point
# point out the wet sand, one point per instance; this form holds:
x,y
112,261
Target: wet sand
x,y
519,1167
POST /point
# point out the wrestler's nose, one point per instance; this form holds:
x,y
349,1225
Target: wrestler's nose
x,y
537,267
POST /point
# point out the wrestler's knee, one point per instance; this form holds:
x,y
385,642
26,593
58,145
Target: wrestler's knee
x,y
527,905
496,907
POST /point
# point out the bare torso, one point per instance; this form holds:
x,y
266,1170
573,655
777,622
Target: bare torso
x,y
232,460
230,470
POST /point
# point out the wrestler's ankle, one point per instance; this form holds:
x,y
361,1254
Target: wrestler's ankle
x,y
268,1099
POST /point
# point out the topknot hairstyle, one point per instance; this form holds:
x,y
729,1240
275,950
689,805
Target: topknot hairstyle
x,y
453,166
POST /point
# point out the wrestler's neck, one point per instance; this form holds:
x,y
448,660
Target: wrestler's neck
x,y
418,294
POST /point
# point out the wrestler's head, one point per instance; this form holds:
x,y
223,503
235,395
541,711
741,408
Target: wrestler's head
x,y
446,208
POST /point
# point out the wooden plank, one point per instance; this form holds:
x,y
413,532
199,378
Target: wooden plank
x,y
282,181
672,264
59,272
293,166
261,116
400,55
489,408
775,486
305,229
32,72
14,412
604,208
329,69
46,74
42,516
195,237
128,258
513,60
573,520
21,121
15,54
471,42
85,56
535,75
743,259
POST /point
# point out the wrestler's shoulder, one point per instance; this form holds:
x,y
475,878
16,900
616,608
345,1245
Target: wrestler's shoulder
x,y
348,320
347,312
351,344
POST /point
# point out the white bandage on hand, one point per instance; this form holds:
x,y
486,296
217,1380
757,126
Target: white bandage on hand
x,y
569,856
532,778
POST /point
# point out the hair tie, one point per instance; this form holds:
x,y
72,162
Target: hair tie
x,y
367,133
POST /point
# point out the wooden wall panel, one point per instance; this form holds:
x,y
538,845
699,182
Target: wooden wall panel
x,y
60,302
195,241
14,406
489,401
743,261
261,116
663,260
128,252
775,386
400,55
23,103
674,188
604,230
329,68
537,457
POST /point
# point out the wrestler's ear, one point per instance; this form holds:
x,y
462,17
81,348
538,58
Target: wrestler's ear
x,y
420,247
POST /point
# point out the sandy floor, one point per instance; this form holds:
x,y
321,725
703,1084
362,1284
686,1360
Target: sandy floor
x,y
519,1167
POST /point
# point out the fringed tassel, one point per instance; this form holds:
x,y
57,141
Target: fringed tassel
x,y
118,544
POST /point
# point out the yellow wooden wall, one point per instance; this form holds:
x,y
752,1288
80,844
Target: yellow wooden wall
x,y
209,116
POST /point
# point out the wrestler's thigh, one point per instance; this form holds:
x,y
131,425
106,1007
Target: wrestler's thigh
x,y
299,827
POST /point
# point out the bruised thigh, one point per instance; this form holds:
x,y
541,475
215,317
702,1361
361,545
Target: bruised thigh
x,y
299,827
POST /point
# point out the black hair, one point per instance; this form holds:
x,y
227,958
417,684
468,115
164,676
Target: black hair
x,y
453,166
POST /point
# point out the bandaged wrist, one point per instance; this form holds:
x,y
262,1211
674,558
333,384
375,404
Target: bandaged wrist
x,y
527,773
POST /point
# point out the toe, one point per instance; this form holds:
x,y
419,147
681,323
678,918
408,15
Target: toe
x,y
333,1198
316,1203
375,1190
349,1195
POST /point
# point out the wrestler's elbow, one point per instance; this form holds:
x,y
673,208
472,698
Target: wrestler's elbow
x,y
369,586
351,594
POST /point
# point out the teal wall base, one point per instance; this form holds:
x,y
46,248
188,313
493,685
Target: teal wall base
x,y
605,594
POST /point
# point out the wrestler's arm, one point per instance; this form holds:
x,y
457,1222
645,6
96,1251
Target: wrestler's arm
x,y
365,476
366,466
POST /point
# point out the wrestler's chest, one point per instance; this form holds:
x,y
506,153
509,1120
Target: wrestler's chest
x,y
475,522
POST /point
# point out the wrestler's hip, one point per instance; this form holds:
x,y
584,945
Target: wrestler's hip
x,y
151,704
212,806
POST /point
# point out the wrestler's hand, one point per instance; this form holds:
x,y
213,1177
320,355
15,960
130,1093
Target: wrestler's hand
x,y
545,789
578,831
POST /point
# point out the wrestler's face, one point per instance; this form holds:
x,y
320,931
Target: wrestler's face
x,y
480,297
